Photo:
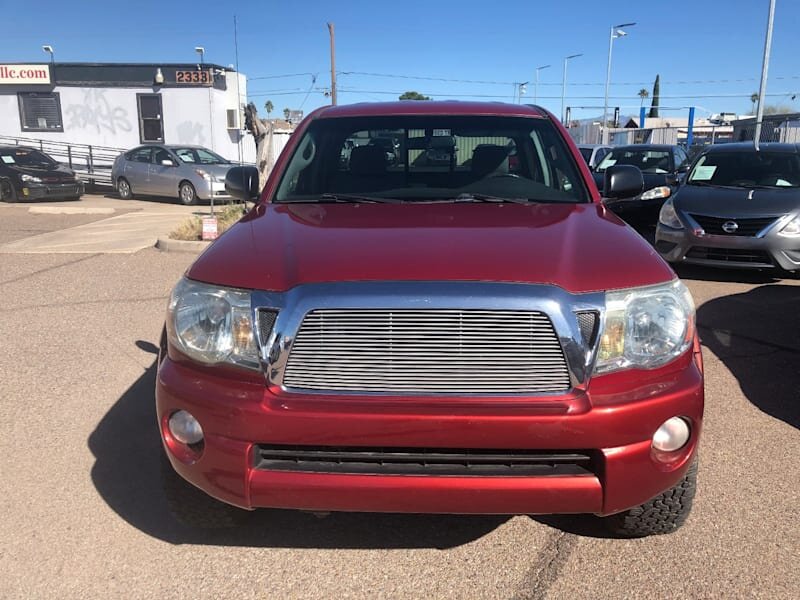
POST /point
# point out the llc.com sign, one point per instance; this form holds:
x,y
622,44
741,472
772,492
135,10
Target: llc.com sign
x,y
24,74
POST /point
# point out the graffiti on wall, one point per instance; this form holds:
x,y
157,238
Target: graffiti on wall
x,y
97,112
191,132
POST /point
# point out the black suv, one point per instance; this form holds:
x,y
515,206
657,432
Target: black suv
x,y
28,174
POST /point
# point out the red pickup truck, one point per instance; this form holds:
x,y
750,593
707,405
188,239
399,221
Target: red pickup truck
x,y
476,334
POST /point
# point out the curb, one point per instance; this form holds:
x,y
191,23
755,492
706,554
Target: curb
x,y
71,210
167,245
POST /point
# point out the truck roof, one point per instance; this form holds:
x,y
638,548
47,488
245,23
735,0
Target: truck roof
x,y
431,107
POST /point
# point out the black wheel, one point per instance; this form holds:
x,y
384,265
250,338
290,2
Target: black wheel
x,y
7,193
187,194
663,514
124,189
193,507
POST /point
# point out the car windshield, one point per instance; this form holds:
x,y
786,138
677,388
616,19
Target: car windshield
x,y
200,156
648,160
431,158
25,157
749,169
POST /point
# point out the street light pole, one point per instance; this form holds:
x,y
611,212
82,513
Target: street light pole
x,y
762,92
564,84
536,85
616,31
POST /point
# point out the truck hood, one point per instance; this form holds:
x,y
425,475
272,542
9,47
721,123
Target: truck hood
x,y
579,247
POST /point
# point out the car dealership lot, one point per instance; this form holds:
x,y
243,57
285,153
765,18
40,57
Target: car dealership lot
x,y
84,515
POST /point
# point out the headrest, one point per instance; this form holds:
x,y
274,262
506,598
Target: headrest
x,y
487,158
367,160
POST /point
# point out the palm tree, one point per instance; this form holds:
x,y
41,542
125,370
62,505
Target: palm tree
x,y
643,94
286,113
269,107
753,100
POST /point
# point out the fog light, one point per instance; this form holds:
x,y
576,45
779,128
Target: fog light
x,y
672,435
185,428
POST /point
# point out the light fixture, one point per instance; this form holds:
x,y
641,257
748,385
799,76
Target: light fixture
x,y
49,49
159,77
201,51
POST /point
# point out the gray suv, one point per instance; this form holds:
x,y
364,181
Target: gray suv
x,y
188,172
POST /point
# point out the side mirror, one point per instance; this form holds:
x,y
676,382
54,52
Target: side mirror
x,y
168,163
242,183
622,181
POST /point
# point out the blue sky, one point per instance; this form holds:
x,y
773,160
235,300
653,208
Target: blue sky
x,y
708,53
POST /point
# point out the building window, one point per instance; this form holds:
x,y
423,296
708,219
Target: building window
x,y
151,123
40,111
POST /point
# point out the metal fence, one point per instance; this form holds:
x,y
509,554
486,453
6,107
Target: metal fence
x,y
91,163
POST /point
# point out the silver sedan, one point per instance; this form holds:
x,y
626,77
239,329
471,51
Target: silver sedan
x,y
190,173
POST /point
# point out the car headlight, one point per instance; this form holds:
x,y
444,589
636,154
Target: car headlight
x,y
212,325
668,216
24,177
646,327
204,174
791,228
661,191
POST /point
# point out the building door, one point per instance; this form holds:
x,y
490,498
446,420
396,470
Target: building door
x,y
151,122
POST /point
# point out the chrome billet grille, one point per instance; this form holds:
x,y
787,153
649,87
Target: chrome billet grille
x,y
266,321
434,351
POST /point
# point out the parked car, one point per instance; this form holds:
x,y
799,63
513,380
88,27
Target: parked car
x,y
593,153
29,174
190,173
432,341
661,165
738,208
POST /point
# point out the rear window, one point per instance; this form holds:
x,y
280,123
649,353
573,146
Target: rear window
x,y
418,158
646,159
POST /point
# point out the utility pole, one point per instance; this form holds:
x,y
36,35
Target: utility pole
x,y
564,85
762,92
333,63
616,32
536,87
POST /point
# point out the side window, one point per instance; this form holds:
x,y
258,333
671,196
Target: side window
x,y
680,158
141,155
161,155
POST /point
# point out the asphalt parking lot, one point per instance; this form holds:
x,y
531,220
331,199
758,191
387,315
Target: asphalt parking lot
x,y
83,514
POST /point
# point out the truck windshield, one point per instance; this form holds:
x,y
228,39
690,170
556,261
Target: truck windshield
x,y
747,169
432,158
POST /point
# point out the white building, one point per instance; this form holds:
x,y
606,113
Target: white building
x,y
117,105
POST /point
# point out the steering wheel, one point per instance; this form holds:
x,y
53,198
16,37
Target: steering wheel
x,y
743,182
514,175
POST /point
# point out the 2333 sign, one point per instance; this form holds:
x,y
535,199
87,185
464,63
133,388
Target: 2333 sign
x,y
200,77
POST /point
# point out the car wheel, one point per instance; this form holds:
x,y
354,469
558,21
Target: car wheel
x,y
663,514
124,189
194,508
187,194
7,193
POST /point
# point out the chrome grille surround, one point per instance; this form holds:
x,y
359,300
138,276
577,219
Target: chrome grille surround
x,y
554,304
427,351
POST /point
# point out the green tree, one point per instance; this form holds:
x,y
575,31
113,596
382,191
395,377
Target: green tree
x,y
269,107
414,96
778,109
654,104
643,95
286,113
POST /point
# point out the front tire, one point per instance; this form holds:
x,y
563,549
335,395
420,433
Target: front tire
x,y
193,507
124,189
663,514
7,193
187,194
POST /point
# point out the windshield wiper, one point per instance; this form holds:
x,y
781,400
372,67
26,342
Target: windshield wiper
x,y
470,197
350,198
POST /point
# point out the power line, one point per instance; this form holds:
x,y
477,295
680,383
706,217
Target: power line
x,y
281,76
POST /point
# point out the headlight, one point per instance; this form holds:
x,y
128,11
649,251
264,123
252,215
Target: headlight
x,y
668,216
212,325
646,327
29,178
204,174
657,192
792,228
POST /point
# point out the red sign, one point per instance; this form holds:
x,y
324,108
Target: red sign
x,y
210,228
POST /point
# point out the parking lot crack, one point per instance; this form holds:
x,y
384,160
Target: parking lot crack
x,y
547,567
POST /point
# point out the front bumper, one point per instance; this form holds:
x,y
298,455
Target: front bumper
x,y
206,190
614,420
741,252
38,191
